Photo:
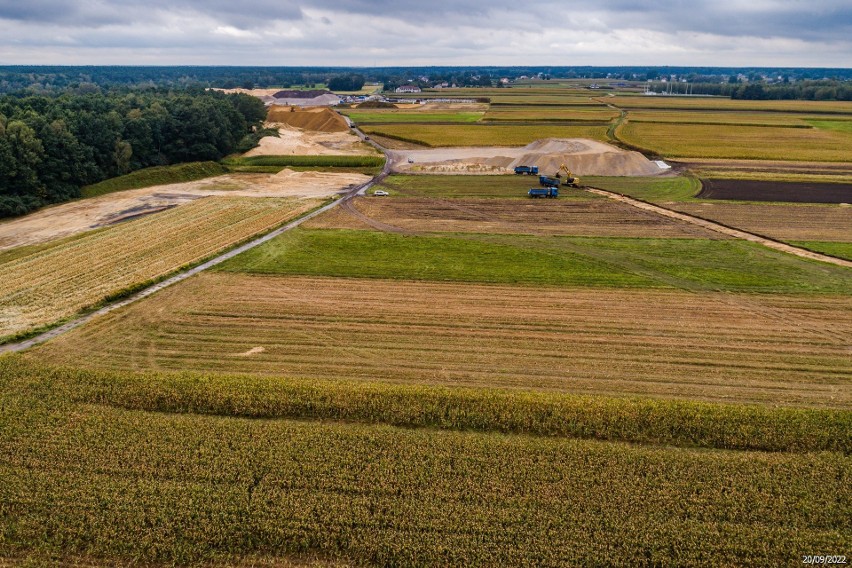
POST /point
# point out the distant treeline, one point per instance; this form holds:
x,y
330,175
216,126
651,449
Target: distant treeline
x,y
346,83
50,147
801,90
51,79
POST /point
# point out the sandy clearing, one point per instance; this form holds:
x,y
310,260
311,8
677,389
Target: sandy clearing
x,y
582,156
294,141
86,214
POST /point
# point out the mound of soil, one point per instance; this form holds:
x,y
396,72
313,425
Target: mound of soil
x,y
583,157
315,119
300,94
796,192
375,104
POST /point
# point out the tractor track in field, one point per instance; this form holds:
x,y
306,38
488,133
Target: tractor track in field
x,y
77,321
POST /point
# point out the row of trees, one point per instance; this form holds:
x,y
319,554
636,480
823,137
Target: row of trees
x,y
800,90
52,146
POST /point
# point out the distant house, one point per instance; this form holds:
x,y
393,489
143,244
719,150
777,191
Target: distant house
x,y
408,89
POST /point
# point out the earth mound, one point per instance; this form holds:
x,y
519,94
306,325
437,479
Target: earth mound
x,y
583,157
315,119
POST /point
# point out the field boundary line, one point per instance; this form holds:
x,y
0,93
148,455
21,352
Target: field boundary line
x,y
180,276
720,228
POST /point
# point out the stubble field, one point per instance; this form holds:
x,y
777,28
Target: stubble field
x,y
664,343
43,284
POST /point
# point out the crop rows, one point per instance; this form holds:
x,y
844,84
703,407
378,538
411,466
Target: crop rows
x,y
482,135
721,347
686,116
723,104
130,486
593,217
681,423
783,222
749,142
58,281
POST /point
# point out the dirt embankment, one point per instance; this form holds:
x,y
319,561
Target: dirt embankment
x,y
293,141
581,156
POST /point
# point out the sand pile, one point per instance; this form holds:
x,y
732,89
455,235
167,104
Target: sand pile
x,y
297,142
583,157
309,182
316,119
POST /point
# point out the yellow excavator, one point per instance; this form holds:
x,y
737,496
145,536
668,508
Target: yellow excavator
x,y
570,179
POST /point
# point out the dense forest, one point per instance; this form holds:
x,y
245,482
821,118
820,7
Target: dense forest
x,y
52,146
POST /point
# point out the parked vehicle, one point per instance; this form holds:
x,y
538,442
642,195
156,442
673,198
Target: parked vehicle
x,y
527,170
550,192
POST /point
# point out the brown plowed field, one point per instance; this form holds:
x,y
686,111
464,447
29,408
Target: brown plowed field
x,y
783,222
577,217
797,192
790,350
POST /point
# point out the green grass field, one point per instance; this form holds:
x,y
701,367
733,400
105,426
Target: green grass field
x,y
698,264
648,188
834,125
160,175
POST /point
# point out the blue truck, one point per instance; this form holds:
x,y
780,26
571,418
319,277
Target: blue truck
x,y
551,192
528,170
545,181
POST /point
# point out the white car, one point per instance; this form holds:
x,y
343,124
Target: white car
x,y
380,193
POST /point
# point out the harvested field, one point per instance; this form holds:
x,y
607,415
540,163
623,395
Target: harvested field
x,y
314,119
686,116
790,350
738,142
725,104
578,217
57,281
84,215
482,134
582,156
782,222
770,167
756,190
390,117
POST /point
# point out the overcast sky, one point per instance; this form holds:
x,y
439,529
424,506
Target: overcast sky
x,y
808,33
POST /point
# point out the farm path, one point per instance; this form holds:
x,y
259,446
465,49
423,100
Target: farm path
x,y
730,231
